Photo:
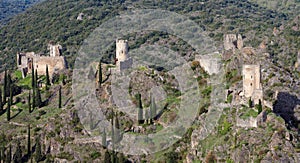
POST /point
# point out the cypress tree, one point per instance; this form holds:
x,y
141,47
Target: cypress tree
x,y
117,127
100,74
59,97
104,144
5,93
29,103
259,107
33,100
146,116
152,108
10,86
38,98
18,155
28,142
250,102
140,109
38,152
47,77
1,103
112,132
32,75
8,110
36,78
8,155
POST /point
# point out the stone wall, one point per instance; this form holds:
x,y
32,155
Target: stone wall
x,y
54,64
55,61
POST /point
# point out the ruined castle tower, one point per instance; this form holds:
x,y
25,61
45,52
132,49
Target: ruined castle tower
x,y
233,41
252,83
55,50
123,61
55,62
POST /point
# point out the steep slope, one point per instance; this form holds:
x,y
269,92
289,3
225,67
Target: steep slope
x,y
9,8
57,21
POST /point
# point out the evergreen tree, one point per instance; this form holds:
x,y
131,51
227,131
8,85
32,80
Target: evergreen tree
x,y
259,107
5,93
18,155
107,158
152,108
1,103
59,97
146,116
47,77
117,131
29,103
36,78
32,76
10,87
33,99
104,144
28,142
8,155
140,109
112,130
38,98
38,151
8,110
100,74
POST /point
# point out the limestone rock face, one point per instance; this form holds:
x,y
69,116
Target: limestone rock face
x,y
211,63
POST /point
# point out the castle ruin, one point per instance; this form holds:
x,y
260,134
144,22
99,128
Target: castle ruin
x,y
252,87
123,61
55,61
233,41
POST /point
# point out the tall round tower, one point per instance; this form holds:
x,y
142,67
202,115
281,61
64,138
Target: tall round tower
x,y
121,51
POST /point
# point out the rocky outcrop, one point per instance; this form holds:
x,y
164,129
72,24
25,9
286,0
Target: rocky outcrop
x,y
211,63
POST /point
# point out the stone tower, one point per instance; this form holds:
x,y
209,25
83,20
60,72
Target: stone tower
x,y
252,83
55,50
233,41
121,50
123,61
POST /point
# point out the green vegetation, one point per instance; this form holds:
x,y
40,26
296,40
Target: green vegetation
x,y
249,113
65,29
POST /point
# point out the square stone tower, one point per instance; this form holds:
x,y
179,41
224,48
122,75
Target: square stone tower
x,y
123,61
252,87
55,50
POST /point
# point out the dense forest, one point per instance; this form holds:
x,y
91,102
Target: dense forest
x,y
49,21
10,8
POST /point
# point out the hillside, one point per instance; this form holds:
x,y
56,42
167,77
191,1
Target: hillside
x,y
10,8
93,113
57,21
